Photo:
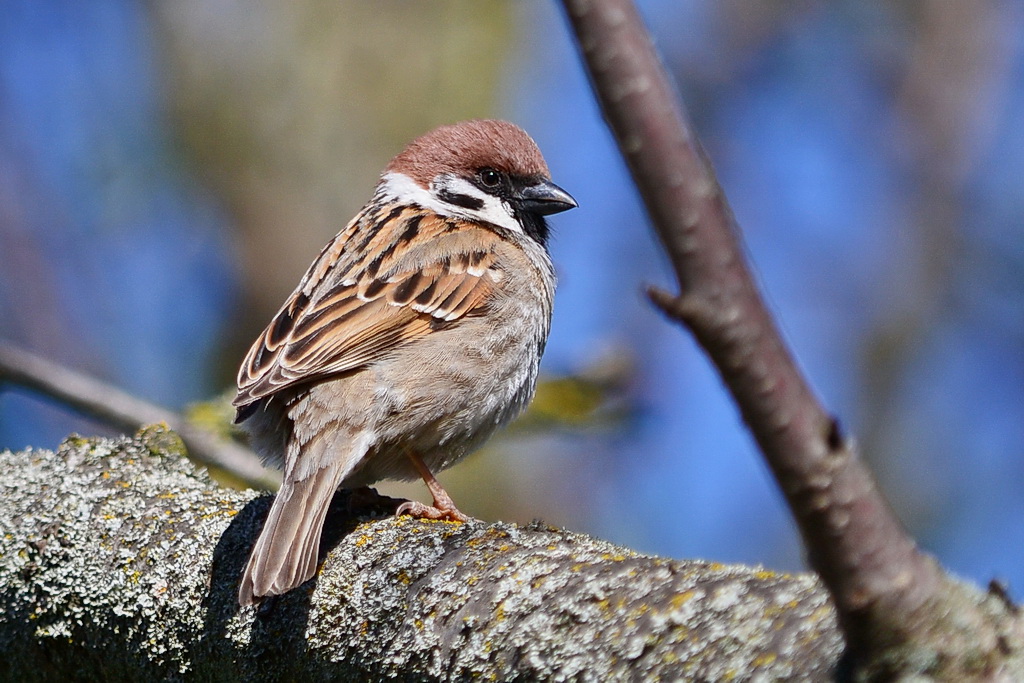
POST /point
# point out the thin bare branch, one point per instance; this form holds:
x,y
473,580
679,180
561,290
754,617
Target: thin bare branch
x,y
127,413
884,587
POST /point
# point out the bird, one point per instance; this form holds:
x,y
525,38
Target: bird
x,y
414,335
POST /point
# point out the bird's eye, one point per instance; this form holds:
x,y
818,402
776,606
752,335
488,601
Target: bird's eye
x,y
489,177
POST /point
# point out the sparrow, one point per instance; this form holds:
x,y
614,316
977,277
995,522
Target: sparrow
x,y
414,335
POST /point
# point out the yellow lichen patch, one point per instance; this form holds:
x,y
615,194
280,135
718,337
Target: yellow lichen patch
x,y
404,577
613,558
765,574
105,475
472,580
641,610
764,659
488,535
680,599
362,540
821,613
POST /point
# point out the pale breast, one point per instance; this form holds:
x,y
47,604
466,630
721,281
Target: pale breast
x,y
448,392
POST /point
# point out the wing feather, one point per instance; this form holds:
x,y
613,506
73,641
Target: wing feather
x,y
406,272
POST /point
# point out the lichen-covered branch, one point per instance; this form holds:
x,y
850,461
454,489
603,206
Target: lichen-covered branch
x,y
894,601
119,561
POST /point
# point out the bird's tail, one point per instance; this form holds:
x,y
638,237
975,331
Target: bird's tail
x,y
285,555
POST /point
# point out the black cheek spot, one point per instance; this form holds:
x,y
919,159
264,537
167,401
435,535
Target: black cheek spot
x,y
463,200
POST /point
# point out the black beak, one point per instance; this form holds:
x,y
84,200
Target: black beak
x,y
544,198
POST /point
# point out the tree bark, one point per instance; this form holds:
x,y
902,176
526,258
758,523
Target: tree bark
x,y
120,561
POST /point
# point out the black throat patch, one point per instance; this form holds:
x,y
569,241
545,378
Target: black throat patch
x,y
535,226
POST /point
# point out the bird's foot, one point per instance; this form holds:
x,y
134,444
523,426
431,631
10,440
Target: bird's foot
x,y
416,509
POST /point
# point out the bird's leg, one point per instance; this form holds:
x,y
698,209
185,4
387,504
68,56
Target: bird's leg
x,y
444,506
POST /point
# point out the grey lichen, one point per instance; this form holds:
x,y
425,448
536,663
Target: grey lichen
x,y
118,560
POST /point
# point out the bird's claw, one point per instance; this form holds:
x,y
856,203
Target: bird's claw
x,y
416,509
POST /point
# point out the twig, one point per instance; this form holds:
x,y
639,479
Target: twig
x,y
112,406
872,567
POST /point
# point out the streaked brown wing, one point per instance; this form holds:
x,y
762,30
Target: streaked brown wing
x,y
412,271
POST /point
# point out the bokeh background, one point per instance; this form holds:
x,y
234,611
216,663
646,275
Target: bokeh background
x,y
168,171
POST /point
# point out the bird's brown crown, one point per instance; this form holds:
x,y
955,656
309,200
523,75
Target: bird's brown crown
x,y
464,148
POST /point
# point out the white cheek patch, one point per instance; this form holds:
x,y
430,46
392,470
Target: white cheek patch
x,y
487,207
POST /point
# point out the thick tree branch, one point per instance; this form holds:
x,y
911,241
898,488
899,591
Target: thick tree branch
x,y
127,413
118,561
886,590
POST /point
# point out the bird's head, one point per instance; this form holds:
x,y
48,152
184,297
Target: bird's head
x,y
483,170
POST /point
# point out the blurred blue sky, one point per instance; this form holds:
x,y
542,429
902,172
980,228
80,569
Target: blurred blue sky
x,y
882,208
114,259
